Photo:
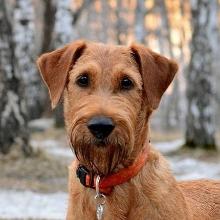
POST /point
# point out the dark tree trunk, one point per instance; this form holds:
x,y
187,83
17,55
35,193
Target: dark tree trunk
x,y
13,115
199,121
49,8
48,23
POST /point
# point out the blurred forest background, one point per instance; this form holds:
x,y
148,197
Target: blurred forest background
x,y
185,30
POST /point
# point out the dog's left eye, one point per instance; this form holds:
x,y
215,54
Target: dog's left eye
x,y
126,84
83,80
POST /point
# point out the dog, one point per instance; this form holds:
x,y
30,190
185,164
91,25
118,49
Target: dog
x,y
109,94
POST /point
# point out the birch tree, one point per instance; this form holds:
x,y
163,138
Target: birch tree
x,y
13,115
199,121
23,33
63,32
140,13
171,104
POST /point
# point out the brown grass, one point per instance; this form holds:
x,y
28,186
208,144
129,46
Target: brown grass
x,y
41,172
160,136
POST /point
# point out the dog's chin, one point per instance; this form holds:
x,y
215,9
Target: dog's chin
x,y
101,144
101,157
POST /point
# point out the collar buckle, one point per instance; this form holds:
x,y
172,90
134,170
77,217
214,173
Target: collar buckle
x,y
81,173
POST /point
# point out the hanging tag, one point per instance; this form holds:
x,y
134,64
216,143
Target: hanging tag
x,y
99,211
100,201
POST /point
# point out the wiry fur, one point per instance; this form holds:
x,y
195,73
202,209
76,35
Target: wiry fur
x,y
152,194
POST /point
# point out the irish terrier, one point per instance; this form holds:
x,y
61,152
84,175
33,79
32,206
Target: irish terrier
x,y
109,94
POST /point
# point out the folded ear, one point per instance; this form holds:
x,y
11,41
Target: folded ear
x,y
157,72
54,68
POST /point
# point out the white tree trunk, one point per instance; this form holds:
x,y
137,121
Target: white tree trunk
x,y
63,32
199,122
13,117
23,33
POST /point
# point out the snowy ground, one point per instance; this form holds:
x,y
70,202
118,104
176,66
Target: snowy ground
x,y
187,167
30,205
34,205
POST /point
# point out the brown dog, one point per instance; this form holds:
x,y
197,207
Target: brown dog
x,y
109,95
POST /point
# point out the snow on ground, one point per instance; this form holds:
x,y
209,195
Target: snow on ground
x,y
188,168
41,124
26,204
168,147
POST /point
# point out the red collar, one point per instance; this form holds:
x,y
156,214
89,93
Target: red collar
x,y
107,183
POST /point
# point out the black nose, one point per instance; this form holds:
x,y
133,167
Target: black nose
x,y
100,126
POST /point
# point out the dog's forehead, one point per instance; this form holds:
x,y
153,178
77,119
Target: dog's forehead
x,y
106,54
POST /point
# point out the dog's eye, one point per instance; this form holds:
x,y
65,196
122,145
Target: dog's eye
x,y
126,84
83,80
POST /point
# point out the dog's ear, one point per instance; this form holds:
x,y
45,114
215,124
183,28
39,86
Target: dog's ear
x,y
54,68
157,72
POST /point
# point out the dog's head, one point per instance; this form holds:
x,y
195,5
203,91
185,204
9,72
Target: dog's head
x,y
109,94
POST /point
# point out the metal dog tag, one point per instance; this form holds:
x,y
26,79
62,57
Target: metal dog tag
x,y
99,211
100,201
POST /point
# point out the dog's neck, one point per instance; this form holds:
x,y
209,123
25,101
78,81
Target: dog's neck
x,y
107,183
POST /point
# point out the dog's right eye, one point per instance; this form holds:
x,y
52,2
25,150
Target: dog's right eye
x,y
126,83
83,80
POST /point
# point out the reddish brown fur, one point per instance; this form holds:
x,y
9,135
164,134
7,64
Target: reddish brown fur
x,y
154,192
